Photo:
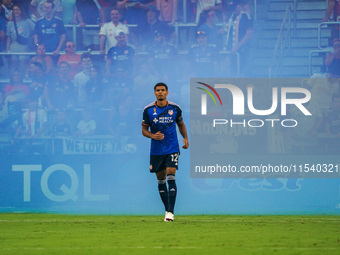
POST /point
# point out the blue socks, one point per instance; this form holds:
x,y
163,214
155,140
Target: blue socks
x,y
163,192
168,196
172,192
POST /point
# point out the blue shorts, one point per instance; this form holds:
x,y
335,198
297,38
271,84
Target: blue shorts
x,y
161,162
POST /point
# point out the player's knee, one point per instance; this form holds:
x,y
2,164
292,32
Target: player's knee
x,y
170,170
161,181
161,175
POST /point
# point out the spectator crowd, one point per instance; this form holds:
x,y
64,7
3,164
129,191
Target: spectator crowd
x,y
123,49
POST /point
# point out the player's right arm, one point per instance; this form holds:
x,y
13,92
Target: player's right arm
x,y
148,134
146,125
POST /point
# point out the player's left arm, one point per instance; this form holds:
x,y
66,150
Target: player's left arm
x,y
183,130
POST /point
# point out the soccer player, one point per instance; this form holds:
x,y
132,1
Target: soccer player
x,y
162,116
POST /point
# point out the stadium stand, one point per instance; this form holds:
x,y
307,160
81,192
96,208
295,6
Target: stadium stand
x,y
301,30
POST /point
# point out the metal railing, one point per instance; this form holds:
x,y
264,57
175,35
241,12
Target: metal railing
x,y
325,24
310,60
138,53
295,4
74,29
185,11
176,25
322,49
281,42
255,10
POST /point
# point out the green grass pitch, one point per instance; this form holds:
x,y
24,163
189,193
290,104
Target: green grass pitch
x,y
208,234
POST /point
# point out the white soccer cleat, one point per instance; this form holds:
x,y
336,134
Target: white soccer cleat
x,y
169,216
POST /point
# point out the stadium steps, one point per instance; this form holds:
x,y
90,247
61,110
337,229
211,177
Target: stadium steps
x,y
294,52
301,15
295,61
302,6
289,61
295,42
275,24
304,33
263,71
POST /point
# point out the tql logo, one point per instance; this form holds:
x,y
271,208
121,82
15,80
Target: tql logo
x,y
239,99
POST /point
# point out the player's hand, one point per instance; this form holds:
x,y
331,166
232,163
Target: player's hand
x,y
158,136
186,143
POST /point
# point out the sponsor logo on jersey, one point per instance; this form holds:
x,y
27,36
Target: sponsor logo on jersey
x,y
165,120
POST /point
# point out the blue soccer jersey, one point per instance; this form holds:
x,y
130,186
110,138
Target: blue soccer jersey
x,y
121,57
163,119
49,32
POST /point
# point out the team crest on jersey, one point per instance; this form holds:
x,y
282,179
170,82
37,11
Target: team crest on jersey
x,y
155,120
54,25
126,52
170,112
154,111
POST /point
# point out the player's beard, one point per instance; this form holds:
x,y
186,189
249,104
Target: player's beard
x,y
161,98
